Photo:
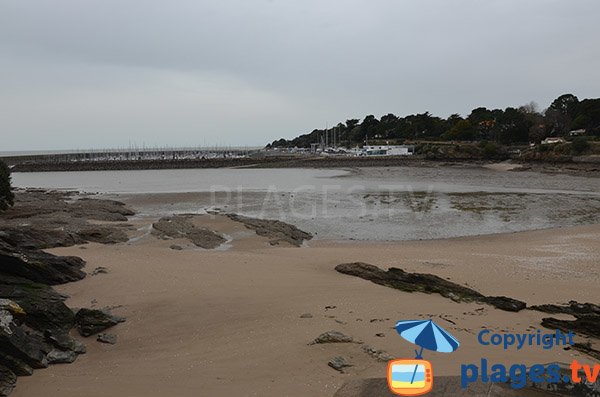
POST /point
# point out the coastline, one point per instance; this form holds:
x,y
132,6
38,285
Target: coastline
x,y
570,166
228,321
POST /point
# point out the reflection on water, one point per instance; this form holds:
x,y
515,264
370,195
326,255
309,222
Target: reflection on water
x,y
369,204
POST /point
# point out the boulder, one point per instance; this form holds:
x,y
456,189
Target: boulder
x,y
61,357
110,339
339,363
39,266
92,321
8,380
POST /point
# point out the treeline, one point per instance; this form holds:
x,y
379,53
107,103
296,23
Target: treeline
x,y
511,126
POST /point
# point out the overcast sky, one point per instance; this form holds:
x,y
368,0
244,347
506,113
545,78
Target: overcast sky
x,y
107,73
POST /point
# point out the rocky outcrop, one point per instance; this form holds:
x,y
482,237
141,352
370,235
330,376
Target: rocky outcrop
x,y
587,318
426,283
573,308
39,266
181,226
34,320
275,230
92,321
62,219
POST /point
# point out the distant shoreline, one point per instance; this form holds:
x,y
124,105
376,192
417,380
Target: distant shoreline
x,y
591,169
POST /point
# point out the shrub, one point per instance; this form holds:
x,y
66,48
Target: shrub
x,y
7,197
490,150
580,145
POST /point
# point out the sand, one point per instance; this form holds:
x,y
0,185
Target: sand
x,y
227,321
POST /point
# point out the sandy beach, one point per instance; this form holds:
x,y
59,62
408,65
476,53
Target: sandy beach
x,y
228,321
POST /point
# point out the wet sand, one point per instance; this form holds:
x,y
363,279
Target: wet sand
x,y
227,321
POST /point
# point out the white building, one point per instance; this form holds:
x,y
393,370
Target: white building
x,y
387,150
552,140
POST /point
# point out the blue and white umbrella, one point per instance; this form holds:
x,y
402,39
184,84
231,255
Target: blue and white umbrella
x,y
428,335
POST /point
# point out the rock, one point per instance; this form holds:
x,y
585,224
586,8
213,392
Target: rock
x,y
91,321
586,324
180,226
61,357
572,308
176,247
107,338
99,270
275,230
332,337
306,315
504,303
426,283
587,349
8,380
60,219
64,341
379,355
380,335
339,363
44,307
39,266
17,366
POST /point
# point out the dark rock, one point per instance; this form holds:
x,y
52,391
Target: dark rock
x,y
24,345
44,307
176,247
107,338
181,226
339,363
8,380
572,308
17,366
306,315
426,283
39,266
91,321
61,357
587,349
275,230
505,303
332,337
586,324
64,341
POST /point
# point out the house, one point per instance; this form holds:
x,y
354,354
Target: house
x,y
577,132
552,140
387,150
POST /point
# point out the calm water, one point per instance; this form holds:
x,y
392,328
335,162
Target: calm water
x,y
397,203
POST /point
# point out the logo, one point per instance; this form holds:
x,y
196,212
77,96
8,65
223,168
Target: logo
x,y
410,377
414,377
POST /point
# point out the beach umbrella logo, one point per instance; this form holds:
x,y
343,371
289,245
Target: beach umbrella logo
x,y
414,377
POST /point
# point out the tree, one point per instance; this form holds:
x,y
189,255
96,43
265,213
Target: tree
x,y
7,197
580,145
463,131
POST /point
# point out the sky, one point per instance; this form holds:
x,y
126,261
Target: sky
x,y
79,74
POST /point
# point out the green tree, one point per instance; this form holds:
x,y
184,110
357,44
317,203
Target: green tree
x,y
580,145
7,197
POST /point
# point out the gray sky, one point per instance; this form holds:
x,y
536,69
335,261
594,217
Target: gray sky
x,y
104,73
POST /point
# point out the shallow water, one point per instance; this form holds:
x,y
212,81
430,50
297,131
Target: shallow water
x,y
399,203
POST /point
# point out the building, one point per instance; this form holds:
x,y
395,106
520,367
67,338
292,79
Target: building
x,y
552,141
387,150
